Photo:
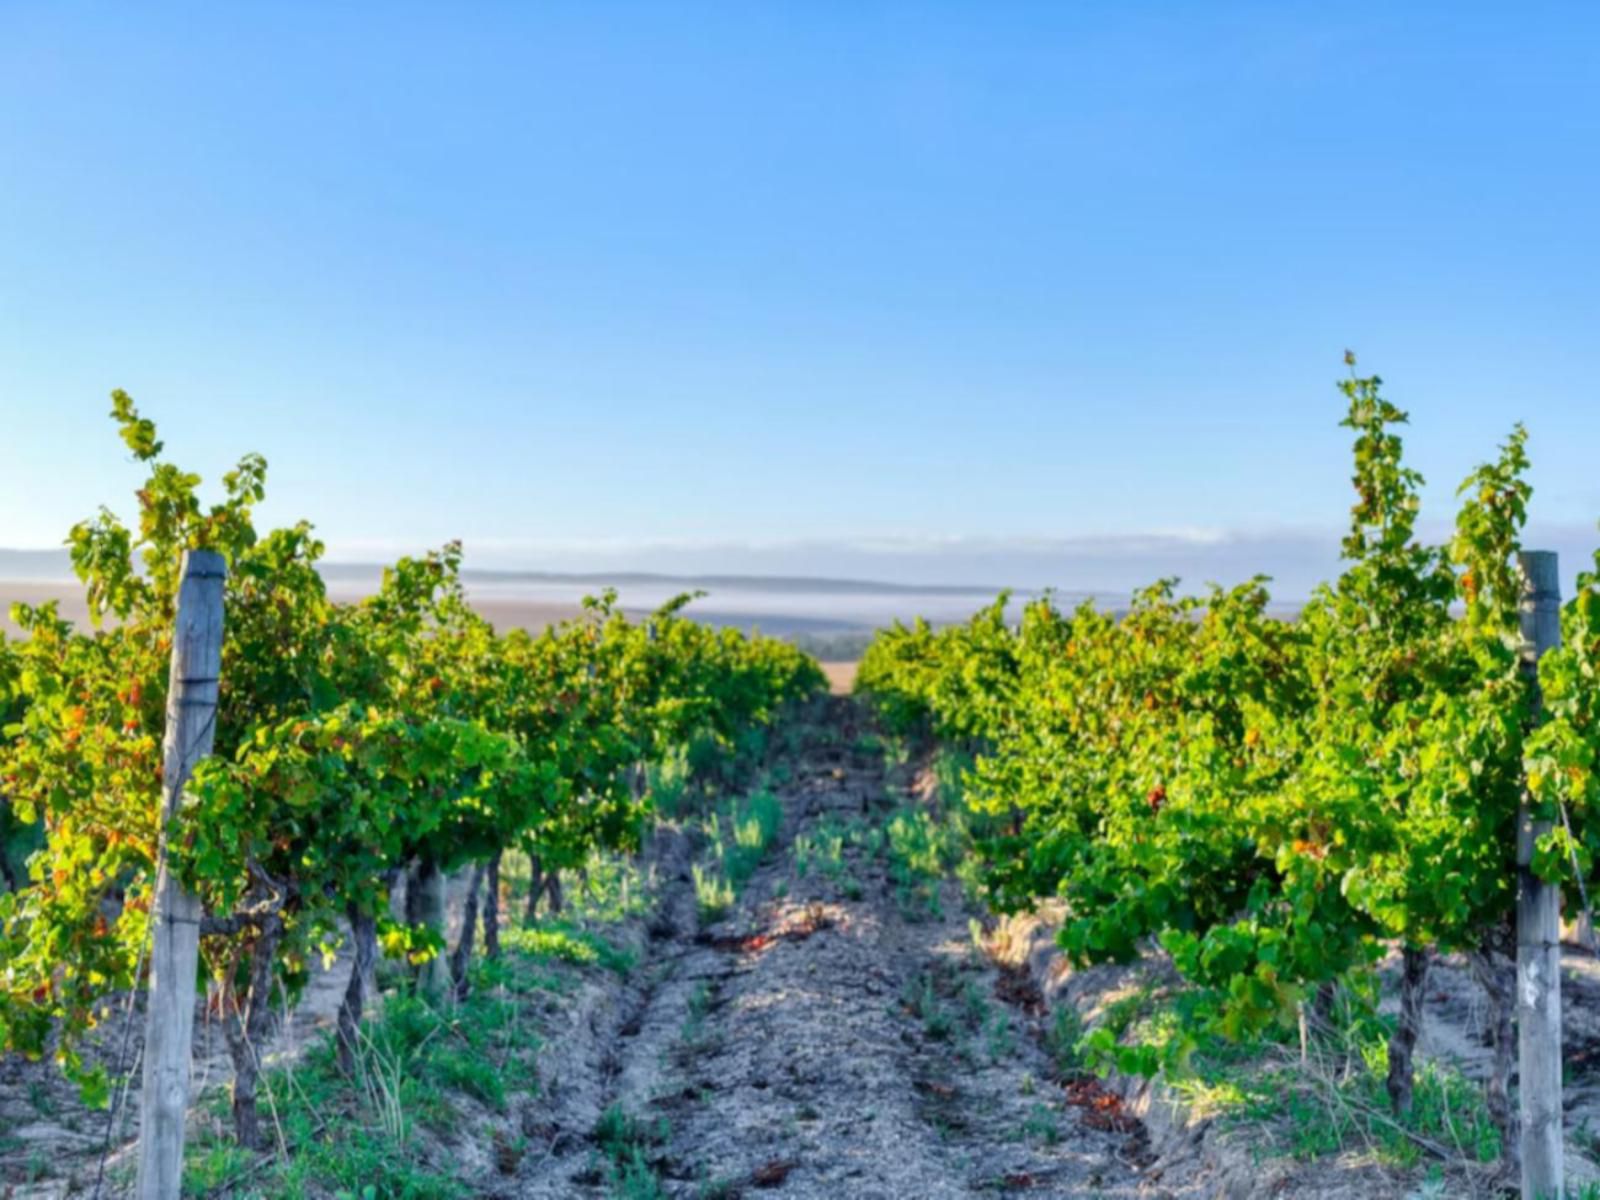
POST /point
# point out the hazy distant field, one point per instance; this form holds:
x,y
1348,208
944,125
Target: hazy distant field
x,y
828,616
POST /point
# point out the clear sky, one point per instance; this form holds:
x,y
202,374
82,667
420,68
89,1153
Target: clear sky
x,y
913,291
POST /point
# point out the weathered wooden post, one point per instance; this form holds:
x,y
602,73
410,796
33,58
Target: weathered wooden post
x,y
175,915
1538,927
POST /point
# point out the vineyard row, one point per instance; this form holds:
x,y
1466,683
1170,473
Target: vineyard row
x,y
1411,762
226,776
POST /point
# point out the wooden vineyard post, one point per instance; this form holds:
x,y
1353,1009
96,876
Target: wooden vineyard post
x,y
1538,927
175,915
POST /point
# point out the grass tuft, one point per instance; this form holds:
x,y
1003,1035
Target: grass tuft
x,y
564,942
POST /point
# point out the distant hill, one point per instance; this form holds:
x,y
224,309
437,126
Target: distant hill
x,y
47,566
831,617
797,584
41,565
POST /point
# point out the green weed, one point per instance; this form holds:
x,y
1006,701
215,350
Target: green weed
x,y
713,894
739,839
1041,1125
998,1040
565,942
1065,1041
415,1065
921,852
625,1140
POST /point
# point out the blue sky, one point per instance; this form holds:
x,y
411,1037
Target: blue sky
x,y
924,291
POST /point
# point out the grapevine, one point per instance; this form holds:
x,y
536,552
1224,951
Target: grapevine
x,y
356,743
1275,802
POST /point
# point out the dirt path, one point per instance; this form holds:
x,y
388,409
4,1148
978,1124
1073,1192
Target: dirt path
x,y
818,1043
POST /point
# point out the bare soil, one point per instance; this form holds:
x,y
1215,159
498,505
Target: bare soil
x,y
841,676
777,1050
